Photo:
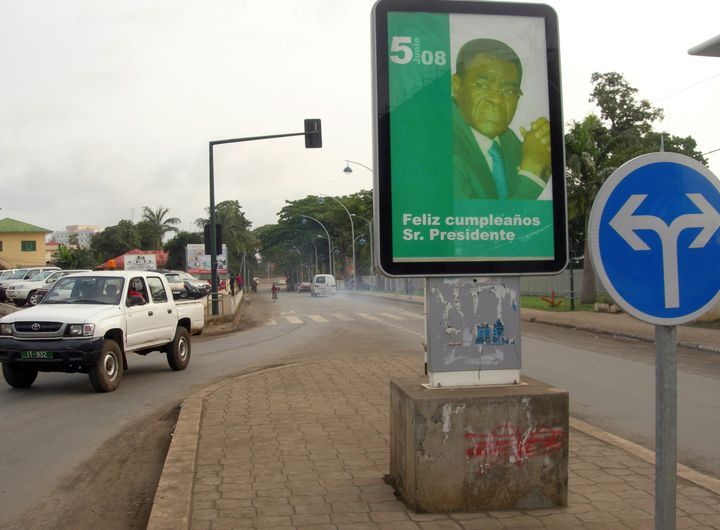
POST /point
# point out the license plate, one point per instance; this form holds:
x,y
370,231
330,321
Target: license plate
x,y
36,355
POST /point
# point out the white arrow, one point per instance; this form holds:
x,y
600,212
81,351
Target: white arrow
x,y
626,223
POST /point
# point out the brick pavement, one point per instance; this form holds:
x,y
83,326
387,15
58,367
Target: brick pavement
x,y
306,446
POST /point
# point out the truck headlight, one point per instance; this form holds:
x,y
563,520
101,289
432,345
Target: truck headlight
x,y
5,329
81,330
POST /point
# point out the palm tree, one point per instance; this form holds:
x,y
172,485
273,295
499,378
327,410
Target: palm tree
x,y
159,223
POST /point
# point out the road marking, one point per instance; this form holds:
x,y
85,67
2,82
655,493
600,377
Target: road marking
x,y
413,315
369,317
317,318
272,322
390,316
345,318
294,320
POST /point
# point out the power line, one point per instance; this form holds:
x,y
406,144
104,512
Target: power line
x,y
688,87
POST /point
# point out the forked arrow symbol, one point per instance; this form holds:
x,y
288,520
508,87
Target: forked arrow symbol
x,y
625,224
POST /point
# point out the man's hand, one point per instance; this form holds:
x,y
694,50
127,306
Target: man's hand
x,y
536,149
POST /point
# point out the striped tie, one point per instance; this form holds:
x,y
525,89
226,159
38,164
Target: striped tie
x,y
498,170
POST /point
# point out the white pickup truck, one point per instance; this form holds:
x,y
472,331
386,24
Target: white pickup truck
x,y
89,322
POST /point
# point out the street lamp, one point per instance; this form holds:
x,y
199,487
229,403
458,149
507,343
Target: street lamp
x,y
348,169
370,231
304,220
352,234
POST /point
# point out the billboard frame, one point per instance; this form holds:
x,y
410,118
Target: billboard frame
x,y
383,196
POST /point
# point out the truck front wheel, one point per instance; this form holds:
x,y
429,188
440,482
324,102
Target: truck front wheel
x,y
19,375
106,375
178,351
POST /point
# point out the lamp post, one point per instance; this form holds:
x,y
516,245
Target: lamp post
x,y
372,260
305,218
348,169
352,234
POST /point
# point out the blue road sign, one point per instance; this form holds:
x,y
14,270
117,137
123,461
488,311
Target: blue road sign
x,y
655,238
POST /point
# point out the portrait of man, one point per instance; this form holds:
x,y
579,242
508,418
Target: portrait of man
x,y
490,161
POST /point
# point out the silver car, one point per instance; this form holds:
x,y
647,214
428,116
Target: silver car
x,y
26,292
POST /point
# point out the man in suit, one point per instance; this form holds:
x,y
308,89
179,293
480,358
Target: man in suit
x,y
489,160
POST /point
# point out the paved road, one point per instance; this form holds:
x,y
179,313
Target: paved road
x,y
47,431
62,414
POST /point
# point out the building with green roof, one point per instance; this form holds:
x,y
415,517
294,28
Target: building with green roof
x,y
21,244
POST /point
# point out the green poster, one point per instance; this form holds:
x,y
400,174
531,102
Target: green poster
x,y
470,156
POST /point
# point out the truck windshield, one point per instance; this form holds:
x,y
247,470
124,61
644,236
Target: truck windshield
x,y
86,290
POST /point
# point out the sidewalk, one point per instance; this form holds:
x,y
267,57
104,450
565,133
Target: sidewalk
x,y
306,446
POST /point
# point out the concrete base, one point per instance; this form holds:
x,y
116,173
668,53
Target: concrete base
x,y
478,449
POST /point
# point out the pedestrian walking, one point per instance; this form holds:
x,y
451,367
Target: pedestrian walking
x,y
232,285
240,281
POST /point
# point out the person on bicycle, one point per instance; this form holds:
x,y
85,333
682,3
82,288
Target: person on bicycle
x,y
275,290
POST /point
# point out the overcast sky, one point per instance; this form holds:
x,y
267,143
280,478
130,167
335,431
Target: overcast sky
x,y
108,106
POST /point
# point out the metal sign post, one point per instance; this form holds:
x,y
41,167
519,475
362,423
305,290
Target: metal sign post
x,y
653,242
665,426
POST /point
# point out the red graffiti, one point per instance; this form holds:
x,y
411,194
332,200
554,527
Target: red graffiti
x,y
505,444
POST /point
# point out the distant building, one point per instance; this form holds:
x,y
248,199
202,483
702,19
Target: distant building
x,y
83,234
21,244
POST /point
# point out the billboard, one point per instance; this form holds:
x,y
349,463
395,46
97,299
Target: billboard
x,y
469,156
140,262
199,263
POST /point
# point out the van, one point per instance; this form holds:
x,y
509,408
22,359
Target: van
x,y
323,284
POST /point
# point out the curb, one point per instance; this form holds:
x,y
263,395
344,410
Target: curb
x,y
683,471
644,338
173,498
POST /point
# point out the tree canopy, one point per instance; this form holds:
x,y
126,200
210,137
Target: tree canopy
x,y
236,233
299,237
157,224
598,145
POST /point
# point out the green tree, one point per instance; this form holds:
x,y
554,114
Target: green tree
x,y
596,146
176,248
308,237
236,233
75,258
115,240
159,224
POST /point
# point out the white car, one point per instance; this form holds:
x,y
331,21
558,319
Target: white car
x,y
177,284
25,292
21,275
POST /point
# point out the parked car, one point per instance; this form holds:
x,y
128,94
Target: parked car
x,y
21,275
90,322
177,284
323,284
185,285
5,274
304,287
22,293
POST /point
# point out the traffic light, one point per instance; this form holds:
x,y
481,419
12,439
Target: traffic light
x,y
313,133
218,239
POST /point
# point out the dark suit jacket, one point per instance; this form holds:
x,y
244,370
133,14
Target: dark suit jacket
x,y
473,178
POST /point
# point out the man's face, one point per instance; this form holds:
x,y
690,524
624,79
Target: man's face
x,y
487,94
